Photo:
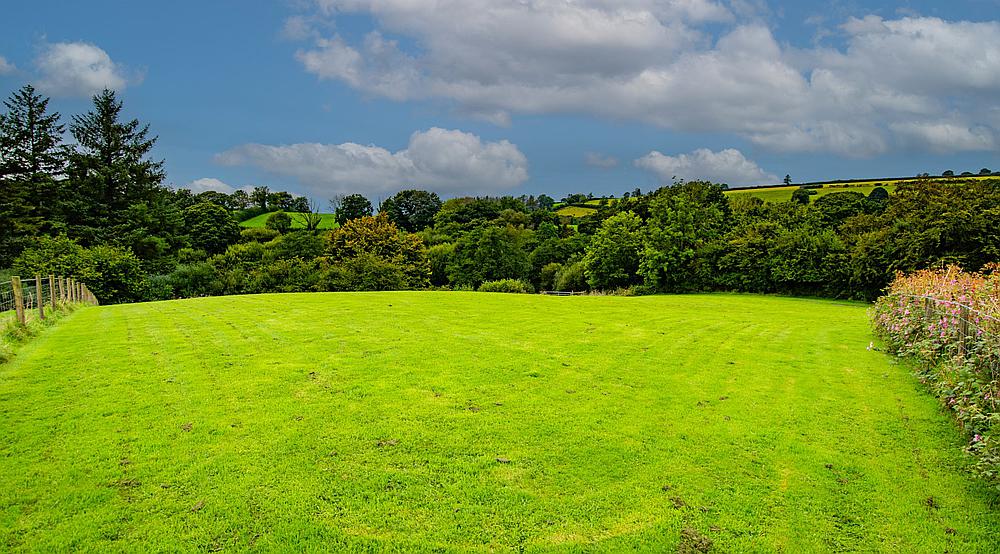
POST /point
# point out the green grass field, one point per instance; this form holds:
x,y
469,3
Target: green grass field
x,y
576,211
784,194
423,421
328,221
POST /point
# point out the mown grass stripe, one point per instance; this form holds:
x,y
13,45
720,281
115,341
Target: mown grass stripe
x,y
417,420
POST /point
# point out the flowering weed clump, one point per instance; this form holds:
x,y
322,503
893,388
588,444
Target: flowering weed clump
x,y
948,322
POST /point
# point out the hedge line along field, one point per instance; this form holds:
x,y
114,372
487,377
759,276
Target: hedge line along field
x,y
328,221
418,421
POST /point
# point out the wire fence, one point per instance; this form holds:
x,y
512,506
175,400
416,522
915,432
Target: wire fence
x,y
24,300
957,328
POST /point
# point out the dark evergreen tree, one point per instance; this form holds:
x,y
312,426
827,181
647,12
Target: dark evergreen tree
x,y
32,165
110,170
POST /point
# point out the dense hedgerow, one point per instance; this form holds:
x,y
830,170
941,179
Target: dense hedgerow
x,y
507,285
949,323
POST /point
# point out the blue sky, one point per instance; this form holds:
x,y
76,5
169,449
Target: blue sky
x,y
322,97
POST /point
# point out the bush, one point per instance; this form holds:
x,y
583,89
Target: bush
x,y
258,234
211,227
187,281
191,255
278,221
114,275
377,238
549,274
52,256
283,275
516,286
573,278
438,256
948,322
297,244
364,272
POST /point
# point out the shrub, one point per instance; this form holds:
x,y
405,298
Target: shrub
x,y
438,256
948,322
114,275
298,244
283,275
52,256
573,278
549,274
187,281
516,286
211,227
278,221
258,234
364,272
377,238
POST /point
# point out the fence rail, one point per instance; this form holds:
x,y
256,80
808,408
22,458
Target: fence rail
x,y
32,297
969,331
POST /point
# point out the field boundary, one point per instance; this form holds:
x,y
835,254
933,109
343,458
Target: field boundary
x,y
965,324
26,299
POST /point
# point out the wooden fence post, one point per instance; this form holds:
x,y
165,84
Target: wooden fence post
x,y
41,297
52,291
15,284
72,291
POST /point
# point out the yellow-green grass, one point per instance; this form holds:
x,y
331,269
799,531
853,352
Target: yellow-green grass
x,y
327,222
576,211
876,182
784,194
422,421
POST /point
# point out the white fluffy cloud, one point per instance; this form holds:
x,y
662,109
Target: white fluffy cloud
x,y
446,161
726,166
659,61
78,69
206,184
5,66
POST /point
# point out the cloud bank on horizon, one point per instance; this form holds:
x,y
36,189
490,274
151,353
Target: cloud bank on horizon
x,y
912,81
447,161
724,95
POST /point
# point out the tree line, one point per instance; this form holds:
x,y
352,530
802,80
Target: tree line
x,y
98,210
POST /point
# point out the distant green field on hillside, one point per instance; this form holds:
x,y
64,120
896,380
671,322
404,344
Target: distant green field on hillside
x,y
784,194
423,421
328,221
576,211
